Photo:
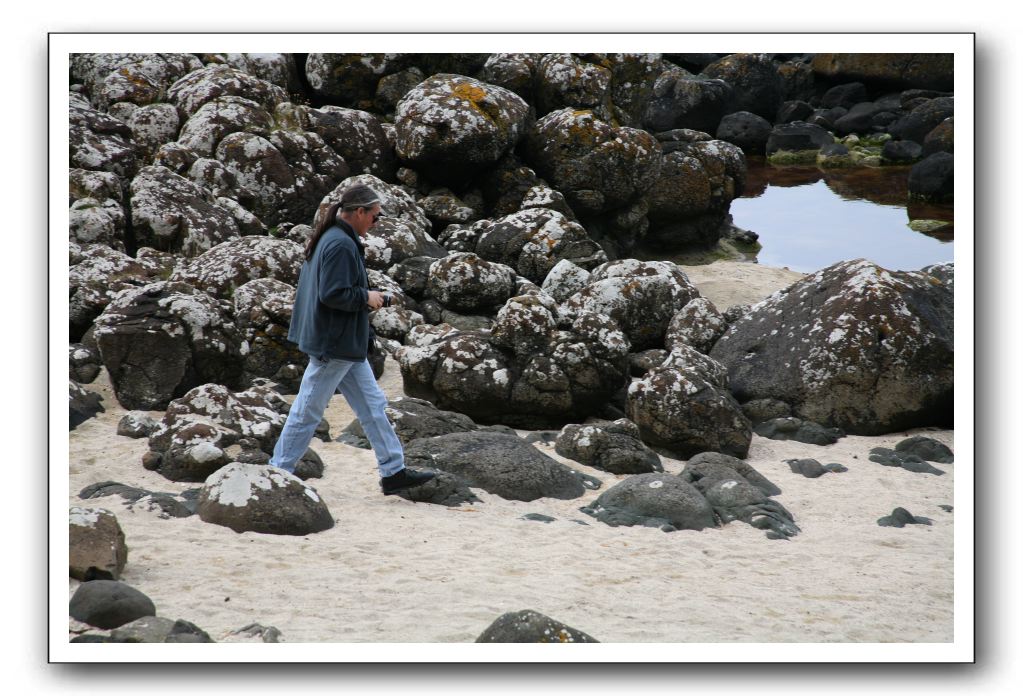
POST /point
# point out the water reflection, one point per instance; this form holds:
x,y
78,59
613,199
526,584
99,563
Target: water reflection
x,y
808,218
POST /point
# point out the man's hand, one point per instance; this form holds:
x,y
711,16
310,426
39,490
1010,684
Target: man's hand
x,y
376,300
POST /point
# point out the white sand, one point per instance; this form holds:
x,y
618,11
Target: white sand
x,y
843,578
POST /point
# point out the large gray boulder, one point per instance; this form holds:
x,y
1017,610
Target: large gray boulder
x,y
653,500
464,282
136,78
213,81
501,464
615,447
357,136
171,213
109,604
231,264
97,549
160,340
681,100
217,119
452,127
852,346
98,141
263,499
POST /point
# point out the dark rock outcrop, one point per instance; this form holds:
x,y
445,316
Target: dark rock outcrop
x,y
926,448
615,447
528,626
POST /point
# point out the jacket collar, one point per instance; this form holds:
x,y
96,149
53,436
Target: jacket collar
x,y
347,229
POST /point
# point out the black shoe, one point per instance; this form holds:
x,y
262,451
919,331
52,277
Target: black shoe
x,y
406,478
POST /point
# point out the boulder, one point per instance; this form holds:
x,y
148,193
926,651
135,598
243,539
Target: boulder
x,y
567,80
680,100
136,78
904,460
870,353
698,324
901,152
535,240
926,448
262,313
201,86
97,548
98,141
82,404
941,138
923,119
413,419
513,71
451,127
263,499
156,629
797,137
746,130
933,179
653,500
640,296
738,500
793,111
615,447
596,166
500,464
465,282
860,119
351,79
84,363
226,267
684,407
170,213
921,70
91,221
708,468
95,276
528,626
789,428
357,136
169,504
109,604
137,424
162,339
845,95
811,468
755,82
219,118
900,517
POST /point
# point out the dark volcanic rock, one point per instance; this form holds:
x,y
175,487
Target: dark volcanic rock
x,y
707,468
739,500
845,95
852,346
900,517
414,419
797,137
614,447
109,604
747,130
82,404
444,488
901,70
790,428
264,499
926,448
909,462
932,179
229,265
680,100
923,119
760,410
756,85
528,626
653,500
500,464
811,468
901,151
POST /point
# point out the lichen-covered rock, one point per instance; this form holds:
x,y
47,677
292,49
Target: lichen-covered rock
x,y
529,626
653,500
564,280
98,141
513,71
394,322
195,436
82,404
137,78
683,408
263,499
640,296
217,119
351,79
500,464
109,604
753,77
161,339
680,100
566,80
152,126
170,213
596,166
926,448
136,424
698,324
533,241
83,363
852,346
101,186
510,186
206,84
615,447
97,549
708,468
96,274
921,70
451,126
355,135
465,282
278,68
229,265
91,221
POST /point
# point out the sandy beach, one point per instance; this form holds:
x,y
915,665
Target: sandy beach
x,y
842,579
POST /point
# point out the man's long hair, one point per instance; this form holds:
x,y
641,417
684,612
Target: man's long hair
x,y
355,197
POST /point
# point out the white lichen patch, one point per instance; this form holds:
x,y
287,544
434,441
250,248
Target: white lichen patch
x,y
85,517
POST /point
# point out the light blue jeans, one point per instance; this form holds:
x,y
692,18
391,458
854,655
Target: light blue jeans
x,y
354,380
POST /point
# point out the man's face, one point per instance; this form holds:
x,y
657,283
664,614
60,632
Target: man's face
x,y
366,218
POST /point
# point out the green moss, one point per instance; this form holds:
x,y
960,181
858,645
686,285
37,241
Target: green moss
x,y
927,226
836,161
787,157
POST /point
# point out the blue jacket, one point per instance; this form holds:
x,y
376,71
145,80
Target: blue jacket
x,y
331,317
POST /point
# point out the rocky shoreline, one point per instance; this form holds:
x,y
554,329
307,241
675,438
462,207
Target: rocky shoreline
x,y
528,358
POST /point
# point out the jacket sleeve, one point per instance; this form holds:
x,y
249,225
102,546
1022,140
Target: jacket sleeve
x,y
338,280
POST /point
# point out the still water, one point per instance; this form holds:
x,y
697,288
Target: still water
x,y
808,218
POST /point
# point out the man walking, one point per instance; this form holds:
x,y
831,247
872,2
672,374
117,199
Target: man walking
x,y
330,324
